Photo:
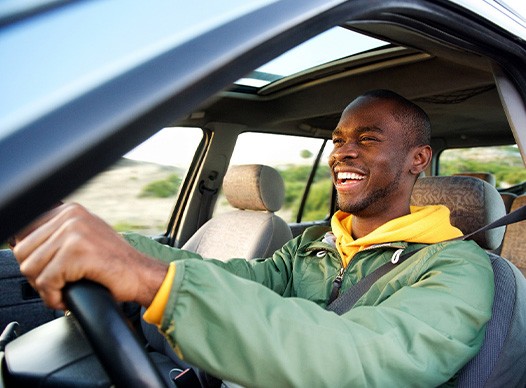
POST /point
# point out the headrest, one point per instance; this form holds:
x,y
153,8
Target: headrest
x,y
473,203
485,176
254,187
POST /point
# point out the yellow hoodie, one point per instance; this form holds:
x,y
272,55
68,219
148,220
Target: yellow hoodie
x,y
425,224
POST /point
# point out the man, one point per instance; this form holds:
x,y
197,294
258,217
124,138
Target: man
x,y
418,325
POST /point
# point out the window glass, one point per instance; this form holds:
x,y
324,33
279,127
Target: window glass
x,y
504,162
138,192
293,157
334,44
318,202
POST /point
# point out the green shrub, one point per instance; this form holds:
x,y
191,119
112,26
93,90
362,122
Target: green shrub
x,y
162,188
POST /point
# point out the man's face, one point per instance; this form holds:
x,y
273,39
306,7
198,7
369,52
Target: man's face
x,y
370,162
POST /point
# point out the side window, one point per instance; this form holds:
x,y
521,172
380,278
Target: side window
x,y
294,158
138,192
504,162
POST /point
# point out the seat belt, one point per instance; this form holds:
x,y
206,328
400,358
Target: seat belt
x,y
348,299
207,196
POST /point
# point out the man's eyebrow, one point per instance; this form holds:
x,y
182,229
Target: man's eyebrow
x,y
375,129
339,132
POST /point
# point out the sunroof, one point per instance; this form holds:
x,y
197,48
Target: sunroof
x,y
336,43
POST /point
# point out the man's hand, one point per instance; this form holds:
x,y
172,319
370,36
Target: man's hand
x,y
69,243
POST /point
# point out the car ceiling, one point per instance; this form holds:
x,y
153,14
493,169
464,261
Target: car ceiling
x,y
455,87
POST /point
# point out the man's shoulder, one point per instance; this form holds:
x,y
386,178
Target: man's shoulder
x,y
315,232
457,252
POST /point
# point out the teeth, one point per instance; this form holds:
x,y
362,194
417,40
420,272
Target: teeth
x,y
349,175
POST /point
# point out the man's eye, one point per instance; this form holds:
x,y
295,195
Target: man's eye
x,y
368,138
337,141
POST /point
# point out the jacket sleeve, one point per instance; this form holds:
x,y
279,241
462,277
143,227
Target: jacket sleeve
x,y
274,273
157,250
421,335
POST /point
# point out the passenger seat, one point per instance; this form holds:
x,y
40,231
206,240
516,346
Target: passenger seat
x,y
251,230
514,244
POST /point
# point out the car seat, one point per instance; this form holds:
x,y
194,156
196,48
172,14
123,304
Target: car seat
x,y
508,199
251,230
474,203
491,179
513,246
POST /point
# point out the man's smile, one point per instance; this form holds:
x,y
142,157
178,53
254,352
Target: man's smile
x,y
348,177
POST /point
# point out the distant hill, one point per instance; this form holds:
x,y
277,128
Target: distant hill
x,y
114,195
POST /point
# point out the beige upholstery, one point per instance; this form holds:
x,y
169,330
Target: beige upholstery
x,y
254,187
485,176
473,203
513,246
252,230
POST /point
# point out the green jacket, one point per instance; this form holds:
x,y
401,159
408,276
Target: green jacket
x,y
417,326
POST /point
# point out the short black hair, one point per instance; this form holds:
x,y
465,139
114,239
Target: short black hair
x,y
413,118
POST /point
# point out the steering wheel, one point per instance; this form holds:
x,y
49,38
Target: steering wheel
x,y
120,352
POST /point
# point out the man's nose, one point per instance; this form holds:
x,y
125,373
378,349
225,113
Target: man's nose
x,y
348,150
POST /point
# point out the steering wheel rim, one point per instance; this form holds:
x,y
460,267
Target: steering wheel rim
x,y
122,356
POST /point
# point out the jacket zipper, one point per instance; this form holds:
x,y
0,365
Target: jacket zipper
x,y
337,283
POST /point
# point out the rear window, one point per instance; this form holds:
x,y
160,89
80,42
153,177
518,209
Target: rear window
x,y
504,162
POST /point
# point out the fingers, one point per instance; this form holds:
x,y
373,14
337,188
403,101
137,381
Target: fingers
x,y
40,230
13,240
47,255
70,244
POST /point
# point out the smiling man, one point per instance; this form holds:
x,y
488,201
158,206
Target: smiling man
x,y
263,322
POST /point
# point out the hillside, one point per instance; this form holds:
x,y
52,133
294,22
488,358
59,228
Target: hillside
x,y
115,195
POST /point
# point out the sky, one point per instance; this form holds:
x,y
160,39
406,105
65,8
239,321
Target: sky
x,y
176,147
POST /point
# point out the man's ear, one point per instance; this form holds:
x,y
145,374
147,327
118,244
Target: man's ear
x,y
421,158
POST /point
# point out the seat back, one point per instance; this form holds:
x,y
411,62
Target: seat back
x,y
501,361
252,229
472,202
513,246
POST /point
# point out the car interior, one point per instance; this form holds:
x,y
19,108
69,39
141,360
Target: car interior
x,y
471,102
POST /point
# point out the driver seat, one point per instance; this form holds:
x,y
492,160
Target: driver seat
x,y
474,203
